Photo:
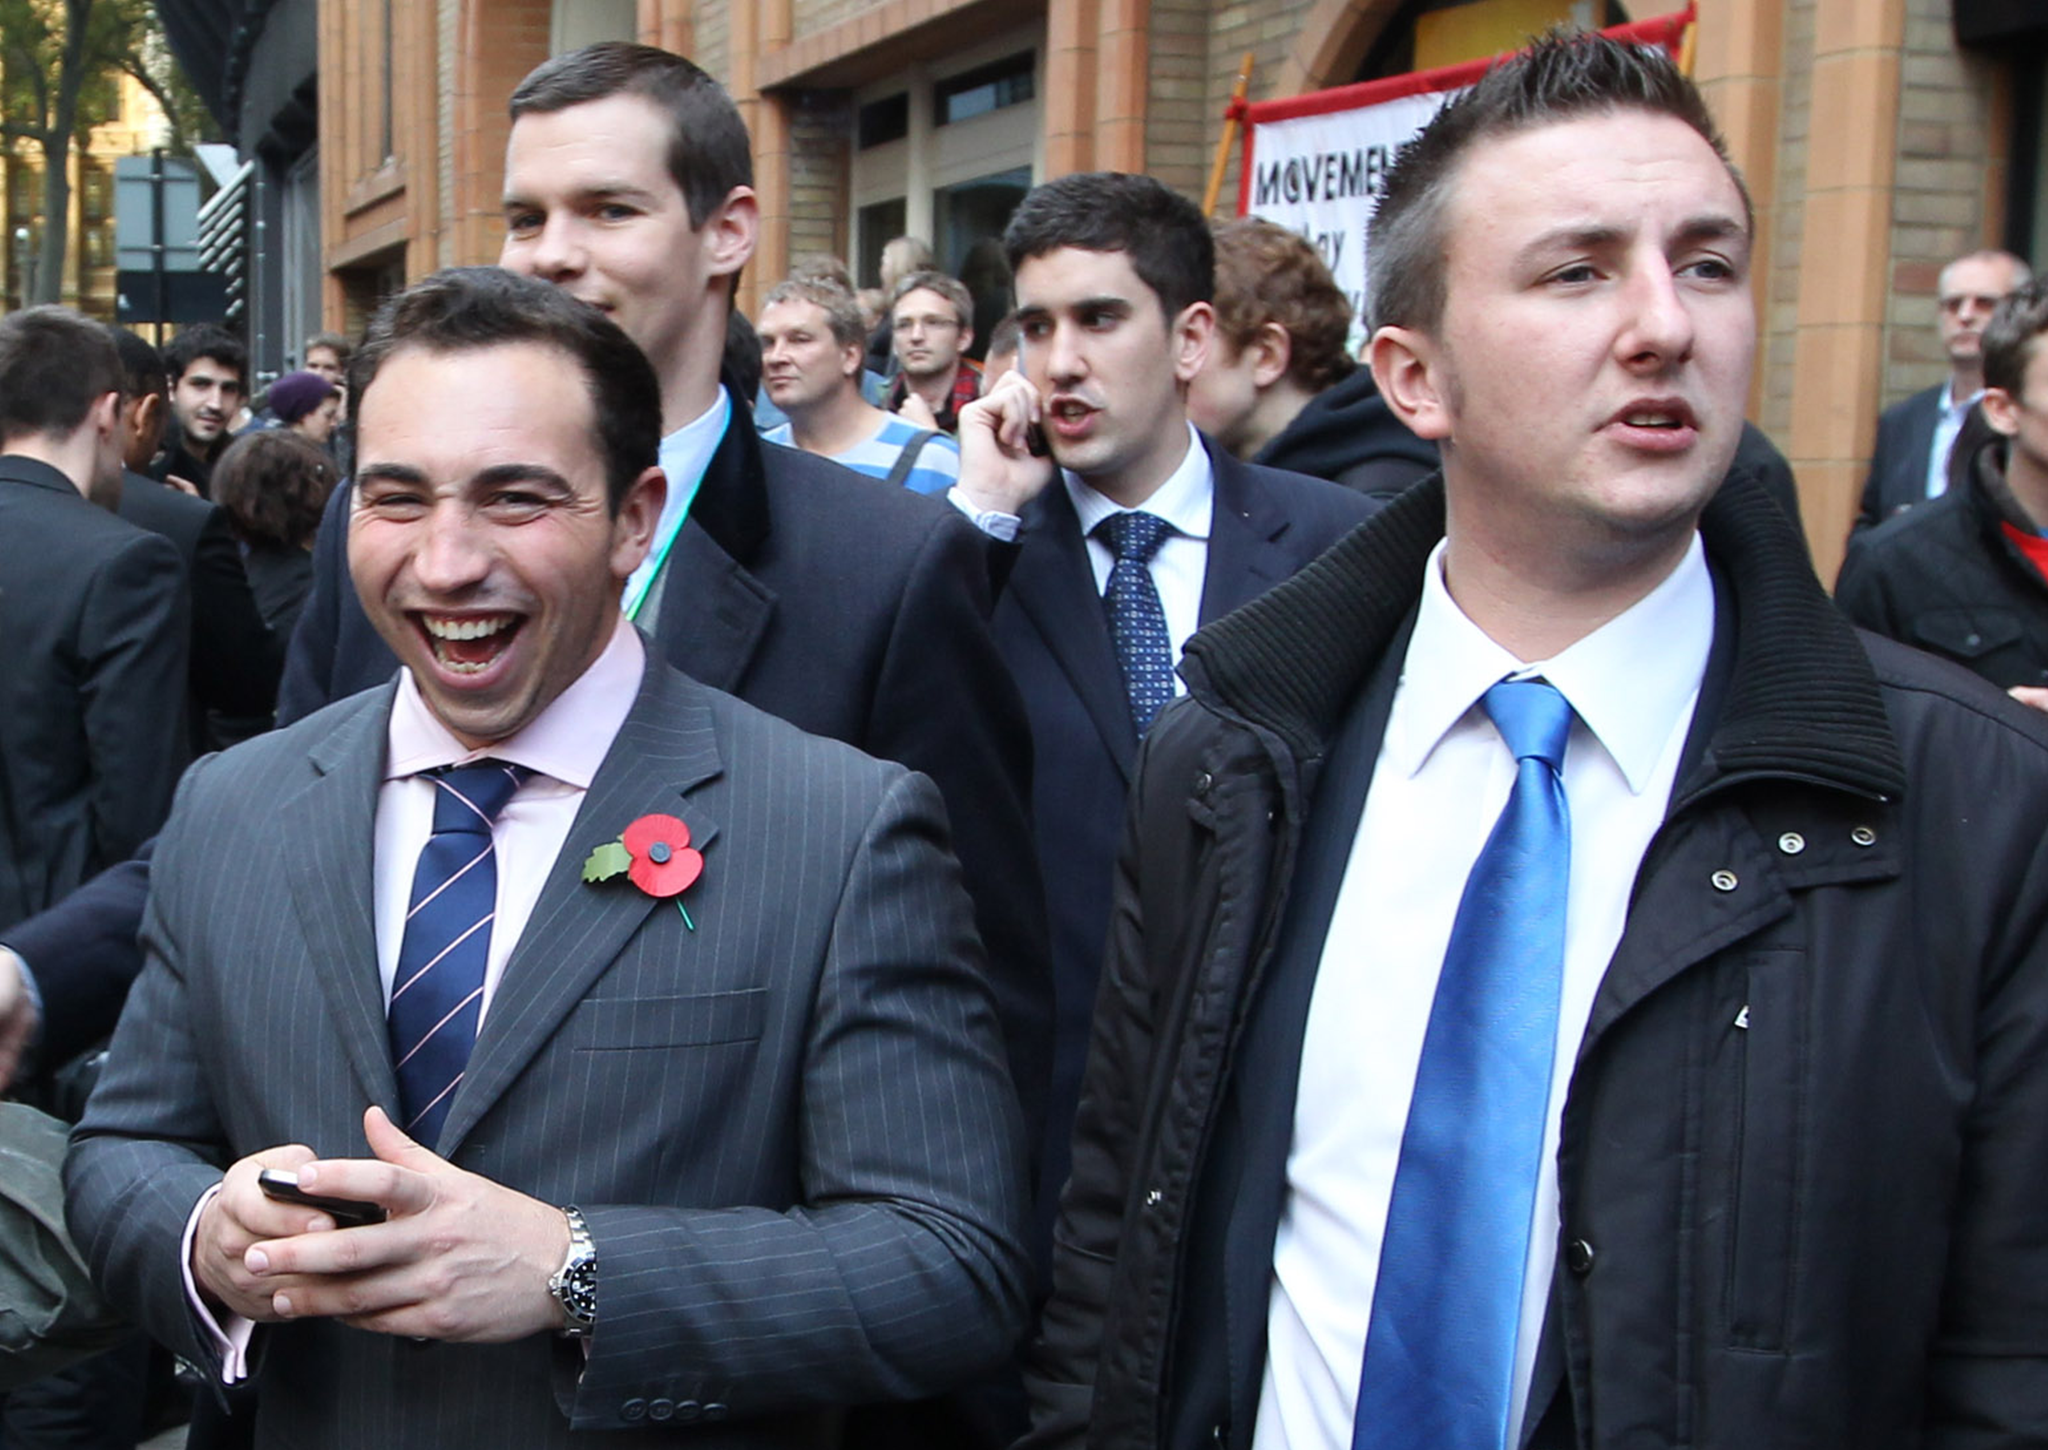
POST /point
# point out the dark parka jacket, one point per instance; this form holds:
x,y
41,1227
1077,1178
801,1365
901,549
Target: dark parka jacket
x,y
1804,1161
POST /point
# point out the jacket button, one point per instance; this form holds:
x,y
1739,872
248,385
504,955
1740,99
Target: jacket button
x,y
661,1409
1791,843
1578,1257
688,1410
1153,1198
635,1410
1218,1435
1973,640
716,1410
1863,836
1203,780
1724,881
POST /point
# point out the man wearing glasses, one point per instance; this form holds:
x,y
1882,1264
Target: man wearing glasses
x,y
930,320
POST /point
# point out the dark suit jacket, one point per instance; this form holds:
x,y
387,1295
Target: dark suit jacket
x,y
847,607
790,1128
94,615
235,658
1055,635
1898,469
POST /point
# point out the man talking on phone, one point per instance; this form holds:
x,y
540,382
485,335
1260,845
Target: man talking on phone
x,y
655,1030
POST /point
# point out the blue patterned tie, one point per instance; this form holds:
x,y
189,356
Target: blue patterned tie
x,y
1137,621
1440,1351
437,992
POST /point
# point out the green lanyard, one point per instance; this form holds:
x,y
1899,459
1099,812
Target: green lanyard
x,y
682,517
661,559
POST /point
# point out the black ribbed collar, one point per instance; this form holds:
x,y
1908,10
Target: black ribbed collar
x,y
1802,699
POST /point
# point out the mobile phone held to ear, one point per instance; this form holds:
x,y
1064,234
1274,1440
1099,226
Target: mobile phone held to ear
x,y
282,1185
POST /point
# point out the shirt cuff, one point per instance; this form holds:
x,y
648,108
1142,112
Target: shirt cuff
x,y
28,984
993,522
230,1340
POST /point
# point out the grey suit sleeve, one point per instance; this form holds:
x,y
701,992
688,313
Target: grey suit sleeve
x,y
900,1271
132,641
150,1143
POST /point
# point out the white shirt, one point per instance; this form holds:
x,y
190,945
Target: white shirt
x,y
1946,426
685,454
1441,780
563,745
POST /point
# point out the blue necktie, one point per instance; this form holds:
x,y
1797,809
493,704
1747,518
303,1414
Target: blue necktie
x,y
437,992
1440,1351
1137,621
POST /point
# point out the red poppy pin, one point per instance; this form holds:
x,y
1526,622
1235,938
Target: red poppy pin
x,y
654,854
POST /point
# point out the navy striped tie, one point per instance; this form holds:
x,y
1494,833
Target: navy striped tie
x,y
437,992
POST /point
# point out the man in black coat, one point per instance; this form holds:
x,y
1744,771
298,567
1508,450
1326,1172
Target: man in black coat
x,y
209,375
1280,386
1113,275
1963,576
1916,435
235,659
1669,1073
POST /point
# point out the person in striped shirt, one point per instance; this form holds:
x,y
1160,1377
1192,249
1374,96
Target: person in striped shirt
x,y
812,345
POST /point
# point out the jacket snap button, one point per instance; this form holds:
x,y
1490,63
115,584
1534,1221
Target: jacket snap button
x,y
1578,1257
1791,843
1202,782
1863,836
1724,881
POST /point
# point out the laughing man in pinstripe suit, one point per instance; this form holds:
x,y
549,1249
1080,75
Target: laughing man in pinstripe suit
x,y
711,1177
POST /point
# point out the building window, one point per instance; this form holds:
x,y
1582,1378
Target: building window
x,y
879,223
1010,81
883,121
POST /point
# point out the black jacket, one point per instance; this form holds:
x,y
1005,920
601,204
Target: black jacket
x,y
1945,578
236,658
1347,434
93,613
1818,1225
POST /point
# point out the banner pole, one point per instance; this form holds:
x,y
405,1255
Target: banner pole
x,y
1223,143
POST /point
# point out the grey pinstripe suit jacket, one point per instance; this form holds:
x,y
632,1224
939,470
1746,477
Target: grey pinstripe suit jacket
x,y
791,1130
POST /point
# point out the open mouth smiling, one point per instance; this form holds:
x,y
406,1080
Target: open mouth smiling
x,y
468,645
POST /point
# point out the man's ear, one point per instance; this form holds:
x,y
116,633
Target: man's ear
x,y
634,524
731,233
2002,411
105,415
1405,367
1193,334
853,357
1272,350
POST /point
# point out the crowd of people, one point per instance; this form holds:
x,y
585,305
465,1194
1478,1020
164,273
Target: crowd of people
x,y
826,879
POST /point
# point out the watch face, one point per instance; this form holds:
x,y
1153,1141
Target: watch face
x,y
579,1290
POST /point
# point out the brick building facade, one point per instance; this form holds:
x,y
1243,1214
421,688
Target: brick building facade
x,y
1880,137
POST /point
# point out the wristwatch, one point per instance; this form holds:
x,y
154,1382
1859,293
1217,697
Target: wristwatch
x,y
574,1285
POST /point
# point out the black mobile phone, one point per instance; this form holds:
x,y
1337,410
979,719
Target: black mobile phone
x,y
283,1185
1034,441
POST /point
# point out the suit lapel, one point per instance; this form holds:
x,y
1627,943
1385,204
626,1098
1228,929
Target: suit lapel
x,y
666,748
1246,529
1054,585
714,612
339,807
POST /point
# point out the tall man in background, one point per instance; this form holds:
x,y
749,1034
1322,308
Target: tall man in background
x,y
1915,436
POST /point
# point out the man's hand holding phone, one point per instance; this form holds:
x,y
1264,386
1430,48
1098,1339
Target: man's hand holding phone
x,y
456,1257
1003,461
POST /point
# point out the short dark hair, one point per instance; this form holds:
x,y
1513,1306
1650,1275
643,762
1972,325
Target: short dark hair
x,y
1161,231
460,309
840,306
274,485
1564,76
709,152
206,340
2009,336
1266,273
142,366
54,365
1002,338
334,342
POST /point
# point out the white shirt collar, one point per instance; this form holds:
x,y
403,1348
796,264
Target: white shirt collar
x,y
1186,500
1629,681
566,742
